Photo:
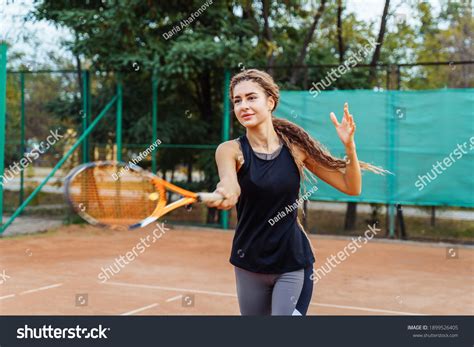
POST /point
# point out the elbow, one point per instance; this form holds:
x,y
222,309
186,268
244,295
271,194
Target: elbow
x,y
354,192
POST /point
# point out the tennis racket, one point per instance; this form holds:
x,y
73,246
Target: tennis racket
x,y
121,195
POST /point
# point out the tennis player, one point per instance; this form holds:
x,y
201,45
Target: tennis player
x,y
260,173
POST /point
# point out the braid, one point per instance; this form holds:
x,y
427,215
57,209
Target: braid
x,y
294,135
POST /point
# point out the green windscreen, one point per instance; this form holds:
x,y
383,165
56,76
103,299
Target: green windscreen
x,y
425,138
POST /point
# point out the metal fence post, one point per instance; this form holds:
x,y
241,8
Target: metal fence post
x,y
225,134
85,114
119,120
154,120
3,116
22,133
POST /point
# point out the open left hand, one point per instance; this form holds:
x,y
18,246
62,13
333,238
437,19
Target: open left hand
x,y
345,129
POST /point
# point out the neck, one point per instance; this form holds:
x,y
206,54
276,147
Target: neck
x,y
263,136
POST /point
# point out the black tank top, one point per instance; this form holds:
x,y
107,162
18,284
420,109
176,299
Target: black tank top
x,y
268,238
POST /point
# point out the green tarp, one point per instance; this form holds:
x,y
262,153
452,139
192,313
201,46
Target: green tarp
x,y
426,138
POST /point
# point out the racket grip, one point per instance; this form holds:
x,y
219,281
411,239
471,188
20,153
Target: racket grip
x,y
209,197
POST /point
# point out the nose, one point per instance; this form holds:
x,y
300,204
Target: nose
x,y
243,105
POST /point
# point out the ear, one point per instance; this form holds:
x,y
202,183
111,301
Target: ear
x,y
270,103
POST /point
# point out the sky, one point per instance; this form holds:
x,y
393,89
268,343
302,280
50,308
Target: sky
x,y
37,40
42,37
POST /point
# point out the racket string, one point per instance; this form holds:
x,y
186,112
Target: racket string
x,y
125,200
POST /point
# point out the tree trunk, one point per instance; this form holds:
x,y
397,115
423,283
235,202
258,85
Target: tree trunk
x,y
378,47
267,35
79,75
249,15
339,32
307,40
211,215
204,91
351,216
401,223
190,172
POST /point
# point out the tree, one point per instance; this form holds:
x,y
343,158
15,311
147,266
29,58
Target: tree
x,y
304,48
380,37
189,48
339,32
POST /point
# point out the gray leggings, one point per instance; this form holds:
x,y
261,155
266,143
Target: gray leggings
x,y
268,294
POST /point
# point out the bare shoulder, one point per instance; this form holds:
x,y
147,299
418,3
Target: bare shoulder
x,y
231,149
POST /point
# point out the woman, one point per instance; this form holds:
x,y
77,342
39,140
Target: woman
x,y
260,173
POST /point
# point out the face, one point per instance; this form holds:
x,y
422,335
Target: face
x,y
251,105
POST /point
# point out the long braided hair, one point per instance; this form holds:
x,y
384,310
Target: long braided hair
x,y
295,136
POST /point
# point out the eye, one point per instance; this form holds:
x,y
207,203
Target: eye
x,y
236,101
252,97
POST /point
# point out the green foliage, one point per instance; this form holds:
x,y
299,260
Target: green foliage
x,y
137,39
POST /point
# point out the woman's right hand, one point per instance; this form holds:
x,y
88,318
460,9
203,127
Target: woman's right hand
x,y
230,193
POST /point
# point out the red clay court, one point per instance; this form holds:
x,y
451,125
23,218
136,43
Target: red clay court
x,y
187,272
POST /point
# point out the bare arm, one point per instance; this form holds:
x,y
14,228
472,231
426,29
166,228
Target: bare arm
x,y
349,182
226,159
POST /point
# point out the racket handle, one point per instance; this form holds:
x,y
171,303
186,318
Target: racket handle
x,y
209,197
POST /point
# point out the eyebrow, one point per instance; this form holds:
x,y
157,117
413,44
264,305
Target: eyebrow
x,y
245,95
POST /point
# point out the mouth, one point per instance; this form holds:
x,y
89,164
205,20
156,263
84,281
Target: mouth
x,y
247,116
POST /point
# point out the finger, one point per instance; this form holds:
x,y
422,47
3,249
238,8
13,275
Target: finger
x,y
219,190
222,192
346,111
334,119
217,203
227,206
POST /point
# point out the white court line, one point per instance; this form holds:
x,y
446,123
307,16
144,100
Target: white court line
x,y
233,295
41,288
169,288
369,309
7,296
139,310
174,298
